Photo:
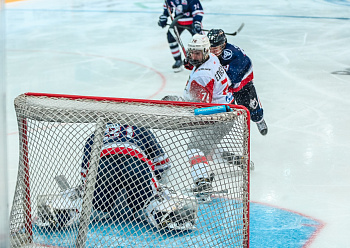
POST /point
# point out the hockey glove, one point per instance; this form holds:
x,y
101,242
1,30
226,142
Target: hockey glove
x,y
162,21
187,64
196,27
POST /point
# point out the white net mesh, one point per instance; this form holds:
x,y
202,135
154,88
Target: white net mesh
x,y
118,173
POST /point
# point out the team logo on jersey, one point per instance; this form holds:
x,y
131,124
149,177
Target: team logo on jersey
x,y
253,103
227,54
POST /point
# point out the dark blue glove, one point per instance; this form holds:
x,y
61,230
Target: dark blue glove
x,y
196,27
162,21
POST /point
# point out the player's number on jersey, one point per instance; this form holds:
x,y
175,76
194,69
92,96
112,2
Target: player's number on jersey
x,y
117,131
205,96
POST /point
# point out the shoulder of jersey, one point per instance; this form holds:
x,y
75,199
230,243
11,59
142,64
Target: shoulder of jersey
x,y
208,65
215,60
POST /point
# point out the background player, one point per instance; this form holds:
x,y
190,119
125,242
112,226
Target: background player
x,y
192,12
239,68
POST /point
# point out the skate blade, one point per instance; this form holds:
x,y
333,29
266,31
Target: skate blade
x,y
178,69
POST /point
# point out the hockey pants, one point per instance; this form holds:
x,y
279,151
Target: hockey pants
x,y
248,98
122,177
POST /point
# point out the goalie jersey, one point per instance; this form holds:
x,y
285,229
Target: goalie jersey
x,y
209,83
137,142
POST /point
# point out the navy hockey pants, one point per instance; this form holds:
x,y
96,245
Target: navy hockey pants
x,y
122,173
248,98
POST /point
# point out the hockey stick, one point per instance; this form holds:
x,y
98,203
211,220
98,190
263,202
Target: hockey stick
x,y
173,26
206,30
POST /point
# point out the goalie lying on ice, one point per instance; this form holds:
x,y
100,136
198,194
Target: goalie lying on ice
x,y
126,186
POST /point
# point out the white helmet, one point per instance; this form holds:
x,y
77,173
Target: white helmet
x,y
199,42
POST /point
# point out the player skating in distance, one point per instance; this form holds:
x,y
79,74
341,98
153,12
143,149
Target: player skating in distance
x,y
126,186
189,15
239,69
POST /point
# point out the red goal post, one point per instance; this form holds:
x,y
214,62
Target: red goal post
x,y
53,129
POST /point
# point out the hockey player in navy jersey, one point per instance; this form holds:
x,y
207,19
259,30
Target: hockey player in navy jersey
x,y
239,69
192,12
127,187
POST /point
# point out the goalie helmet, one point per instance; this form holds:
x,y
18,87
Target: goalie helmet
x,y
217,40
201,43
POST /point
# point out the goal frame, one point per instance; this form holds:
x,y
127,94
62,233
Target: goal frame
x,y
28,226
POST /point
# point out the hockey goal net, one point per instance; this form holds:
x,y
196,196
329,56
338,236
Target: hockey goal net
x,y
54,207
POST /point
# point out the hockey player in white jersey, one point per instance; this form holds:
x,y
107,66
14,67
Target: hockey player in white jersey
x,y
208,83
126,186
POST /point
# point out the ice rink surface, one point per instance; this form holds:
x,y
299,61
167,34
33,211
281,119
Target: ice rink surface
x,y
301,55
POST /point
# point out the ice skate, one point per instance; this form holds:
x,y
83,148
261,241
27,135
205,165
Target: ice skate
x,y
231,158
171,210
262,127
236,160
177,67
202,185
203,189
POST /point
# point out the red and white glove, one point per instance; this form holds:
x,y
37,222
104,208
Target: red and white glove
x,y
187,64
